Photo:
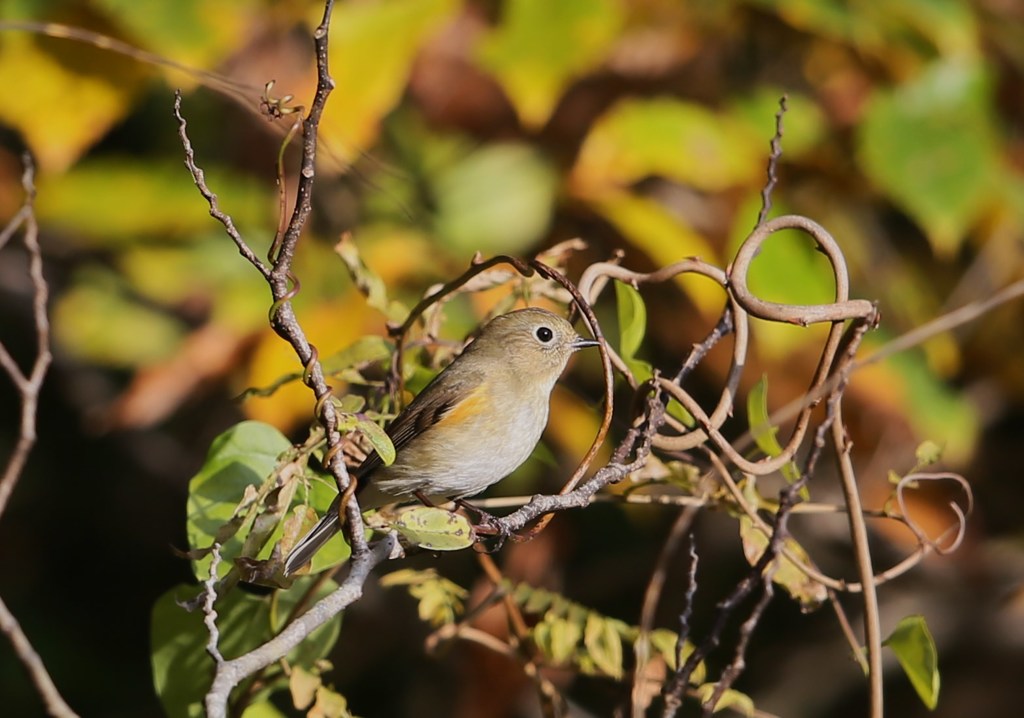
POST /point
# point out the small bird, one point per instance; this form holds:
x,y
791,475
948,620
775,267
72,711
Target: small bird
x,y
473,425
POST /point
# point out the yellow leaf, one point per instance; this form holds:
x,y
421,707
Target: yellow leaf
x,y
540,46
330,326
303,686
62,103
192,32
99,321
665,137
565,635
373,46
603,644
799,585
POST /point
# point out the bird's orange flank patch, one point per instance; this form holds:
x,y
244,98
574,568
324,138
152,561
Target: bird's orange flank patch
x,y
467,409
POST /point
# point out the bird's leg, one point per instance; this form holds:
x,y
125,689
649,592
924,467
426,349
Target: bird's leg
x,y
487,525
424,499
487,521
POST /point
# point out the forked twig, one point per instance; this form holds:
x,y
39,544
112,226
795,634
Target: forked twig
x,y
28,385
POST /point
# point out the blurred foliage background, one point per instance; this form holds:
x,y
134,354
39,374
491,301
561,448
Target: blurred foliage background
x,y
506,127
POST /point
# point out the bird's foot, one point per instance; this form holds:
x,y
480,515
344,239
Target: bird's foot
x,y
487,527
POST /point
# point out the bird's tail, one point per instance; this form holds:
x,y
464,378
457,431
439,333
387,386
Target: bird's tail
x,y
313,541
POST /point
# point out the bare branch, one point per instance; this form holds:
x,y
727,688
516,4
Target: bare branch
x,y
28,387
52,699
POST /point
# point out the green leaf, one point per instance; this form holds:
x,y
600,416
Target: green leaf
x,y
302,684
116,201
379,439
373,47
540,46
936,409
603,644
533,600
330,704
928,452
240,458
63,98
886,28
262,709
914,647
761,427
182,670
434,528
321,493
632,315
235,293
498,198
764,432
99,321
788,268
365,350
367,281
931,145
193,32
316,645
804,122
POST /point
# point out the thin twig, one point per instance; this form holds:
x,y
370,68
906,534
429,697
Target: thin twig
x,y
738,663
944,323
199,177
961,514
773,165
209,611
28,387
44,685
682,527
858,527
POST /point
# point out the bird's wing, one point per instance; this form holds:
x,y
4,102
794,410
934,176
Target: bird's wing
x,y
425,411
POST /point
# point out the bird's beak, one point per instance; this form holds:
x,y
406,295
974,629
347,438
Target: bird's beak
x,y
581,343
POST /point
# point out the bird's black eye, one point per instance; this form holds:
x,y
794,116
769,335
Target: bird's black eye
x,y
544,334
